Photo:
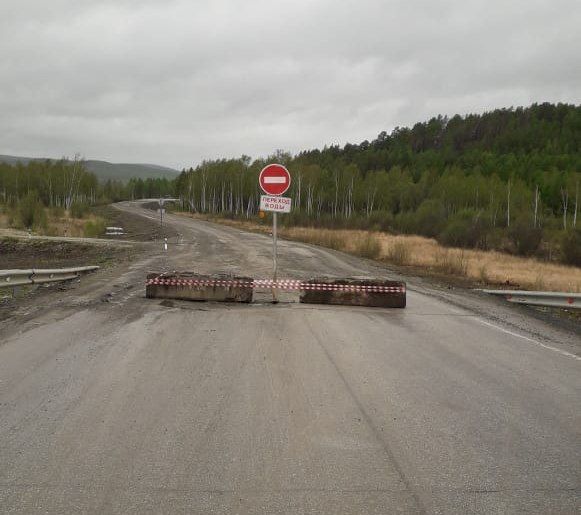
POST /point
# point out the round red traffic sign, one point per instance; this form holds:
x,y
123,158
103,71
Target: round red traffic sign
x,y
274,179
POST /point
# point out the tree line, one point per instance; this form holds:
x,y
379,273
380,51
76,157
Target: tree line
x,y
27,190
64,183
507,179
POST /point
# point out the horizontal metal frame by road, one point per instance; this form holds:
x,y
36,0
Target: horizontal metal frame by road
x,y
555,299
10,278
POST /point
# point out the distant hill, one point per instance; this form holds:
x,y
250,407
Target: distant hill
x,y
104,170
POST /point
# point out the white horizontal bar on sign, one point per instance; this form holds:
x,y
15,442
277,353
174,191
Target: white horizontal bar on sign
x,y
274,180
275,204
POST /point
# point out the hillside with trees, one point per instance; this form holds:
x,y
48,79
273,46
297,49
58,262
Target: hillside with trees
x,y
106,171
32,194
508,179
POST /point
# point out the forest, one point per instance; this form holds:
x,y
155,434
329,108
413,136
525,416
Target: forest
x,y
30,193
508,179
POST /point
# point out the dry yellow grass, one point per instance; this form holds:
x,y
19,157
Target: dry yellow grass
x,y
4,221
491,267
428,257
67,226
64,225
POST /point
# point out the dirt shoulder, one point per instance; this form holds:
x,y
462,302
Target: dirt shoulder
x,y
44,253
39,252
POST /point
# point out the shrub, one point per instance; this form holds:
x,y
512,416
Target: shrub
x,y
465,229
483,274
79,210
399,253
571,247
368,247
526,238
380,221
57,211
430,218
31,212
405,222
451,263
94,228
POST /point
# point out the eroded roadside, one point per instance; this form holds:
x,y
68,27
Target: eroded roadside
x,y
116,258
114,255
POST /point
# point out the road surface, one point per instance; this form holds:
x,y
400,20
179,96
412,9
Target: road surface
x,y
113,403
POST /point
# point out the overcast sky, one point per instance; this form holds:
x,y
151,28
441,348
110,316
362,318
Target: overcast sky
x,y
173,82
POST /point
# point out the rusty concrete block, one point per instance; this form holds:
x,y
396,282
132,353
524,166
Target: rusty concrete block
x,y
355,292
190,286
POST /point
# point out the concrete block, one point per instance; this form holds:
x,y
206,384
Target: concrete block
x,y
355,292
190,286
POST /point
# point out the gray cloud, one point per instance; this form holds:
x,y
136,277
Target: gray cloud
x,y
174,82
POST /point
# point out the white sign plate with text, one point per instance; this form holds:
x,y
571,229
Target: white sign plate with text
x,y
275,203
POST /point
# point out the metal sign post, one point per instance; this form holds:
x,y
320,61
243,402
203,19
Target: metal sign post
x,y
274,264
274,179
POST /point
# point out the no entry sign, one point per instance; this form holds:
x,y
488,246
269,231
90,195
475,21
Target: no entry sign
x,y
274,179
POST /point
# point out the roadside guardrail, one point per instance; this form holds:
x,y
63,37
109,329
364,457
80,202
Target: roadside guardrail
x,y
11,278
555,299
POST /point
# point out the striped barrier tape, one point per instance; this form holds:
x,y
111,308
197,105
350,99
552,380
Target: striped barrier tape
x,y
271,284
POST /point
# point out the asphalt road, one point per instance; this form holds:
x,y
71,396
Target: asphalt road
x,y
113,403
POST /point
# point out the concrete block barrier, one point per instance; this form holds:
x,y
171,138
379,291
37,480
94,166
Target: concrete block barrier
x,y
189,286
355,292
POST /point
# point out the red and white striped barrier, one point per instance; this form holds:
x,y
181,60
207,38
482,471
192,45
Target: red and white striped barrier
x,y
283,284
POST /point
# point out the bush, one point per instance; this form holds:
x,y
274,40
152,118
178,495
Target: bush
x,y
31,212
405,222
94,228
430,218
368,247
451,263
57,211
526,239
399,253
571,247
79,210
379,221
465,229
